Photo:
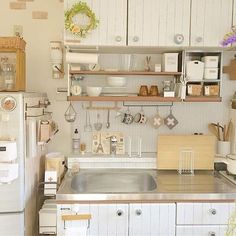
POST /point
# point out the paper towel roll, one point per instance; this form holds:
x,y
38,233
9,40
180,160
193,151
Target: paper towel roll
x,y
84,58
32,138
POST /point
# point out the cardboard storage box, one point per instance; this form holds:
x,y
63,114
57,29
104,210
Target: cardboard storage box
x,y
211,90
194,89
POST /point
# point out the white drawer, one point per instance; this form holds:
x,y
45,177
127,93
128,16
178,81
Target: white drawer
x,y
204,213
203,230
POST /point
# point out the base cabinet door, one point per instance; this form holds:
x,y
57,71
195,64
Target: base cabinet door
x,y
152,219
106,220
203,230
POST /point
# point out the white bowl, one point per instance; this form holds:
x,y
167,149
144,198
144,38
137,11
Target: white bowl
x,y
94,91
115,81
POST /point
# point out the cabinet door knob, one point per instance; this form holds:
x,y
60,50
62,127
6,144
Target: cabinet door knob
x,y
178,38
212,233
118,38
119,213
138,212
212,211
199,39
135,39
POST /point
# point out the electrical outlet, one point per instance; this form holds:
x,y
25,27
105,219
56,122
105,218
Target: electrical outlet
x,y
18,30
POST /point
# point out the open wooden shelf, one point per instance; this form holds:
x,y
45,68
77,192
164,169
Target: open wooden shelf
x,y
103,72
124,98
203,99
143,99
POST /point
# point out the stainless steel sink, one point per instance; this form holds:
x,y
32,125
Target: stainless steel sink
x,y
113,182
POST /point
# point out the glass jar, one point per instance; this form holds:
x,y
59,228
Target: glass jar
x,y
8,75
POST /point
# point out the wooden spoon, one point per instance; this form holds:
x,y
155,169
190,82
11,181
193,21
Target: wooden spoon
x,y
213,130
229,131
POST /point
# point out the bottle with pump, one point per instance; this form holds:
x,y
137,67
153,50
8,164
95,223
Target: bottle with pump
x,y
76,141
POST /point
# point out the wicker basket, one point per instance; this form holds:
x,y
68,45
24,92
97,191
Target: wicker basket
x,y
12,42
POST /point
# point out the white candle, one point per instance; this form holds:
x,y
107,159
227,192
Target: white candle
x,y
140,147
130,147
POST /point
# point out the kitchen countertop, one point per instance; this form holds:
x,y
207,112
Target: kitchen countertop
x,y
171,187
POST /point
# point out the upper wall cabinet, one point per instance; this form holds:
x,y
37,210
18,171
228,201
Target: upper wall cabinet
x,y
210,21
158,22
111,30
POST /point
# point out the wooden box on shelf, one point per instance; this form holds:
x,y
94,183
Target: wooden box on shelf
x,y
211,90
12,51
194,89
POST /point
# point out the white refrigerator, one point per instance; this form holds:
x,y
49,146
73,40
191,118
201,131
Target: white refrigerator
x,y
15,107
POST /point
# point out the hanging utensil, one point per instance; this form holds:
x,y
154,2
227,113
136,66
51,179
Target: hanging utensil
x,y
108,119
70,114
87,126
98,124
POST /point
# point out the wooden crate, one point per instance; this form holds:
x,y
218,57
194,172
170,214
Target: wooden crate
x,y
194,89
170,146
12,42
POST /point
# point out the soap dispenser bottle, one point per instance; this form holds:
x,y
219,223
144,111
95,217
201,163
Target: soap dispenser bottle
x,y
76,141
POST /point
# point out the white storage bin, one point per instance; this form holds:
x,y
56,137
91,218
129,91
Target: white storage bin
x,y
194,70
47,221
8,151
8,172
211,61
170,62
211,73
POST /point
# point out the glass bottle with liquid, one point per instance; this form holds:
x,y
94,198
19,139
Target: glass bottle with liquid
x,y
76,141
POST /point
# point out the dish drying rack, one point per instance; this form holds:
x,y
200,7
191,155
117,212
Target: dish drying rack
x,y
186,161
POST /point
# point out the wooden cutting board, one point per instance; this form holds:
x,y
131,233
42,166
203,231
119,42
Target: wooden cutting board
x,y
169,148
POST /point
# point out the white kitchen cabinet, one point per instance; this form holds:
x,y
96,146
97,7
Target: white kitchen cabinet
x,y
106,219
204,213
152,219
111,30
206,219
203,230
119,219
210,21
158,22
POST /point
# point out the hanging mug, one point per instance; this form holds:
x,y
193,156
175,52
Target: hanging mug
x,y
127,118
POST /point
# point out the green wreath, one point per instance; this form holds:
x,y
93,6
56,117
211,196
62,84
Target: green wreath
x,y
80,8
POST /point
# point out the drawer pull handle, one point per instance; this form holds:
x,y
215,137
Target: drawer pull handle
x,y
118,38
76,217
199,39
212,233
213,211
138,212
178,38
119,213
135,39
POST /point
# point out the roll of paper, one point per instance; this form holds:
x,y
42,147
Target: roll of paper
x,y
84,58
